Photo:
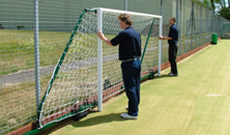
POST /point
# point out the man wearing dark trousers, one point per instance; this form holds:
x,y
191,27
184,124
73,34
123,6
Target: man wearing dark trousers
x,y
129,41
172,41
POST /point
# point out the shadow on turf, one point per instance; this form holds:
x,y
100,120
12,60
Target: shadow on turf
x,y
98,120
86,122
163,76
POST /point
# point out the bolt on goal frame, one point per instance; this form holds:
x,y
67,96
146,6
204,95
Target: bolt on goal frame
x,y
76,85
100,12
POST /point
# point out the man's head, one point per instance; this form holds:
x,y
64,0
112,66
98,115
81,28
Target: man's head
x,y
125,20
172,20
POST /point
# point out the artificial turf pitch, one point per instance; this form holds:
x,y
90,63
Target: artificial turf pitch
x,y
196,102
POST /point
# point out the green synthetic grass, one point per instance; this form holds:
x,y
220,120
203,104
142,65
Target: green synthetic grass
x,y
170,105
212,115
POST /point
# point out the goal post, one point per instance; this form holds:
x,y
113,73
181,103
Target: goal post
x,y
99,78
100,12
88,71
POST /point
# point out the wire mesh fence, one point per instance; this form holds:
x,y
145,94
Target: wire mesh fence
x,y
57,18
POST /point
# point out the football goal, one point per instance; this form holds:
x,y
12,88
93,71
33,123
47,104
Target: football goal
x,y
88,72
226,30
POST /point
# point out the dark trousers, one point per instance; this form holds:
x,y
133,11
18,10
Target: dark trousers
x,y
131,72
172,53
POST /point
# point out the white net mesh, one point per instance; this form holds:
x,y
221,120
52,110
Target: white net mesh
x,y
73,87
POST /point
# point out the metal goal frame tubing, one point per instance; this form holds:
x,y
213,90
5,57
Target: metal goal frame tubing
x,y
100,22
56,70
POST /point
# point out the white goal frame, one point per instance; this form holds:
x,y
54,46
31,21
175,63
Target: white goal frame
x,y
100,22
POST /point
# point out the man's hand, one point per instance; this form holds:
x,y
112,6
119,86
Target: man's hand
x,y
100,35
161,38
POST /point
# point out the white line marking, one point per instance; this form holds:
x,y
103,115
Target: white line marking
x,y
213,95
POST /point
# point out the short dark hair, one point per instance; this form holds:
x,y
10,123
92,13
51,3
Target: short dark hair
x,y
174,19
126,17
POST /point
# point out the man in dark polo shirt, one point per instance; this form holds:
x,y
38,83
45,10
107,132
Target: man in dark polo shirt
x,y
129,41
172,41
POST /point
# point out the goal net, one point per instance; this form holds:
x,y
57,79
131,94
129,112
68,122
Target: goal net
x,y
226,30
88,72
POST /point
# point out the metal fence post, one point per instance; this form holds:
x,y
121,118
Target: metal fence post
x,y
126,5
207,12
187,33
177,17
200,26
180,23
160,41
36,54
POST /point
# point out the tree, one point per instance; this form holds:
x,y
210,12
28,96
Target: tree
x,y
210,2
225,12
224,9
220,7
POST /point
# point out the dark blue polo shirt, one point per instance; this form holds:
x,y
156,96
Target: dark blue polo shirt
x,y
129,41
173,33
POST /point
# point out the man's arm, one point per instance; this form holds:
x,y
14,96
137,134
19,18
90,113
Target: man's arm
x,y
165,38
102,37
170,36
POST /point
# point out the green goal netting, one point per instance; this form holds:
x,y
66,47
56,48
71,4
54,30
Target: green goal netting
x,y
226,30
88,72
